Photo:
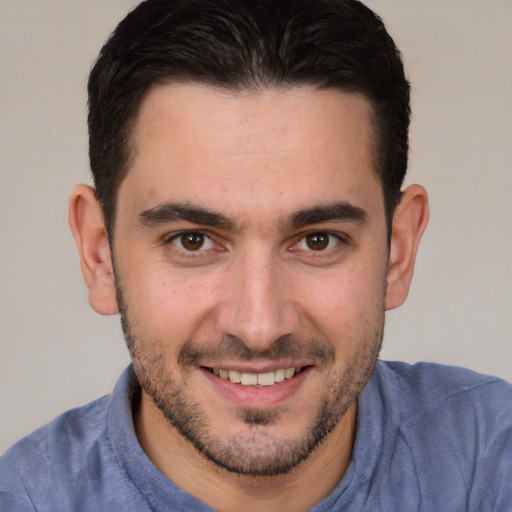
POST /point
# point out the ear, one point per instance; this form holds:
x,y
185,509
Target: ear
x,y
409,223
88,228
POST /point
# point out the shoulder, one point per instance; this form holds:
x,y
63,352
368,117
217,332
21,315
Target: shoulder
x,y
72,463
427,386
448,395
456,426
54,451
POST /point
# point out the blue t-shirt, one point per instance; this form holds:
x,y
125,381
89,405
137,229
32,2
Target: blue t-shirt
x,y
429,438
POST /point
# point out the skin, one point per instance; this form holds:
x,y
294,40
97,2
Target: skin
x,y
257,292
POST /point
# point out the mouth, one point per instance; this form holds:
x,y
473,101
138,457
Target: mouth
x,y
258,380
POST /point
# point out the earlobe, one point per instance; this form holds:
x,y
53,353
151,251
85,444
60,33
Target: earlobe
x,y
88,228
409,223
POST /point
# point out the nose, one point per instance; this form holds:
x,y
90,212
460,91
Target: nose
x,y
257,305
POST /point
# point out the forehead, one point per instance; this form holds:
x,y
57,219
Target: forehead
x,y
198,144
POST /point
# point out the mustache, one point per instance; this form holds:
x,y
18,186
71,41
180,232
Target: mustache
x,y
287,346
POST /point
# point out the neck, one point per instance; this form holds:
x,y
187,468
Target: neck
x,y
298,490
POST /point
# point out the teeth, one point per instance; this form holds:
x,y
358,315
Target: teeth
x,y
249,379
235,376
289,372
266,379
256,379
279,375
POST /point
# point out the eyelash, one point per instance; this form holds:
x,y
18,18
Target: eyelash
x,y
169,240
332,237
207,238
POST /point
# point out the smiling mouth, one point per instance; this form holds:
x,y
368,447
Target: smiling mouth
x,y
256,379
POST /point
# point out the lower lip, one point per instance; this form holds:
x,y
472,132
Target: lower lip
x,y
257,398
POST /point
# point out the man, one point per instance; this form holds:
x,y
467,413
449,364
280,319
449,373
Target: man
x,y
249,226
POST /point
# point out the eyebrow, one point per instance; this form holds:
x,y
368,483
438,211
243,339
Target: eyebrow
x,y
340,211
170,212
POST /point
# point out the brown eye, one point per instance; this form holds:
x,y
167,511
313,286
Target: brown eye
x,y
192,241
317,241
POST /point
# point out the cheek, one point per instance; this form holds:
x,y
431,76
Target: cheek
x,y
168,307
345,302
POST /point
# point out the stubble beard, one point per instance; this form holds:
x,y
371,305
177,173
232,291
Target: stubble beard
x,y
254,451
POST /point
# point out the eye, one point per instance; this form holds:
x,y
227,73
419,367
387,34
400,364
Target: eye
x,y
192,241
318,241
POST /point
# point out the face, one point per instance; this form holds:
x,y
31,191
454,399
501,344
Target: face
x,y
250,256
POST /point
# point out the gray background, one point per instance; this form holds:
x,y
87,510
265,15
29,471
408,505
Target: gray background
x,y
55,352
